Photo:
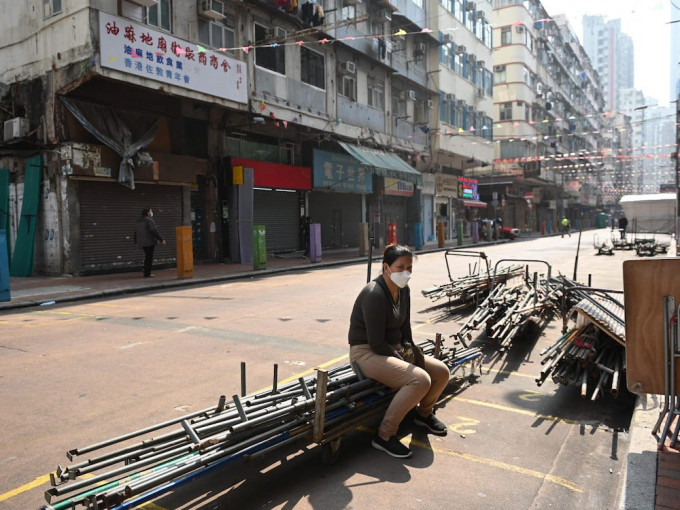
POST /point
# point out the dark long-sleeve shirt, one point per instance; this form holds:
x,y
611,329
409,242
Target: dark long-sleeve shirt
x,y
146,232
379,321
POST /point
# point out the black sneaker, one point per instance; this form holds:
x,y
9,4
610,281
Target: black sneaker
x,y
431,423
392,447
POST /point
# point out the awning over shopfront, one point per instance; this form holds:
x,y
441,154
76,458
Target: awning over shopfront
x,y
383,163
473,203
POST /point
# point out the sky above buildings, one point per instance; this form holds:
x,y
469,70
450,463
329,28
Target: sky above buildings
x,y
646,22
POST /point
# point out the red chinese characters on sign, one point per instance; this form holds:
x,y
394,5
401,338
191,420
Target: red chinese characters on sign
x,y
174,46
130,34
162,44
202,59
189,53
111,28
213,61
225,66
147,39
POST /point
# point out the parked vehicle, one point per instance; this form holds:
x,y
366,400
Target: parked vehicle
x,y
509,232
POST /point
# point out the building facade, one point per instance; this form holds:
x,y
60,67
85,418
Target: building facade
x,y
549,120
225,115
611,52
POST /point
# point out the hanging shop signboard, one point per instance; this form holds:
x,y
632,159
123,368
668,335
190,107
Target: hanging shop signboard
x,y
139,50
398,187
467,188
340,172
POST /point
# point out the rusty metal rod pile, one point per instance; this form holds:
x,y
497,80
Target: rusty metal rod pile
x,y
467,289
136,467
584,357
507,310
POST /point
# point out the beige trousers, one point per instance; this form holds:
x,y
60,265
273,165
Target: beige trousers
x,y
413,385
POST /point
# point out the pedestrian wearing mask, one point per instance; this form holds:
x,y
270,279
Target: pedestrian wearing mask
x,y
382,347
147,236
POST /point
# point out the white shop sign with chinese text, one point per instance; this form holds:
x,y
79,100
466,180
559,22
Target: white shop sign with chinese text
x,y
137,49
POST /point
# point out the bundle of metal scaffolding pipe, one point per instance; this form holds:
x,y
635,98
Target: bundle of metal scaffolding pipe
x,y
147,458
61,490
86,449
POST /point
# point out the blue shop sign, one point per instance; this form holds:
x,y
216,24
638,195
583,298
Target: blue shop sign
x,y
339,172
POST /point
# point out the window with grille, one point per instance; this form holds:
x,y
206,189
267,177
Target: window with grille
x,y
272,58
312,67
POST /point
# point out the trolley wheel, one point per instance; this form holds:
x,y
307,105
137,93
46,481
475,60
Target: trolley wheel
x,y
330,452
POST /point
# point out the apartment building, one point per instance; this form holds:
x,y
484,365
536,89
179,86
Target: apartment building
x,y
549,118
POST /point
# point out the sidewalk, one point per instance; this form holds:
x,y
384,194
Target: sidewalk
x,y
38,290
651,480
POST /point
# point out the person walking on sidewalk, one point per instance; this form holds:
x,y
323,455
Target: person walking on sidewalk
x,y
565,226
382,348
623,225
147,236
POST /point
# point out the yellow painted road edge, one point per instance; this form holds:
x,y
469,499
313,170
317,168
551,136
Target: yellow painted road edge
x,y
27,487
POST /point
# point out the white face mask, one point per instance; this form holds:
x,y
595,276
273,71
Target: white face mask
x,y
400,279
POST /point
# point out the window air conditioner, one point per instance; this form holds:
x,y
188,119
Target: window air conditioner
x,y
15,128
481,63
412,95
480,15
276,32
447,39
449,97
481,92
460,50
212,9
520,29
144,3
471,6
430,104
460,103
419,50
383,15
348,67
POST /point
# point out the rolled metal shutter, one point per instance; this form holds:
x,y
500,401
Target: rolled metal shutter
x,y
279,212
108,214
339,215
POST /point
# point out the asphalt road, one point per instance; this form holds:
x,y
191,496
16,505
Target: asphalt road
x,y
77,374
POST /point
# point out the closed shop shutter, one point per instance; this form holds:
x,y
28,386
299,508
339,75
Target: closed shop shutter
x,y
339,215
394,211
279,212
108,214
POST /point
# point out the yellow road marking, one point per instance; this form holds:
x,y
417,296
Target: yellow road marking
x,y
489,462
150,506
501,465
516,410
27,487
307,372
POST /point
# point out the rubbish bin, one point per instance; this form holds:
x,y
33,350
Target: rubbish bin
x,y
4,267
418,234
441,238
185,252
602,220
315,242
391,233
259,247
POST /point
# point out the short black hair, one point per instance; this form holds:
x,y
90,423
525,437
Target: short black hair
x,y
394,251
145,212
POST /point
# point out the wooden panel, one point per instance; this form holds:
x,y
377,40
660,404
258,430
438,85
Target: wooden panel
x,y
645,283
